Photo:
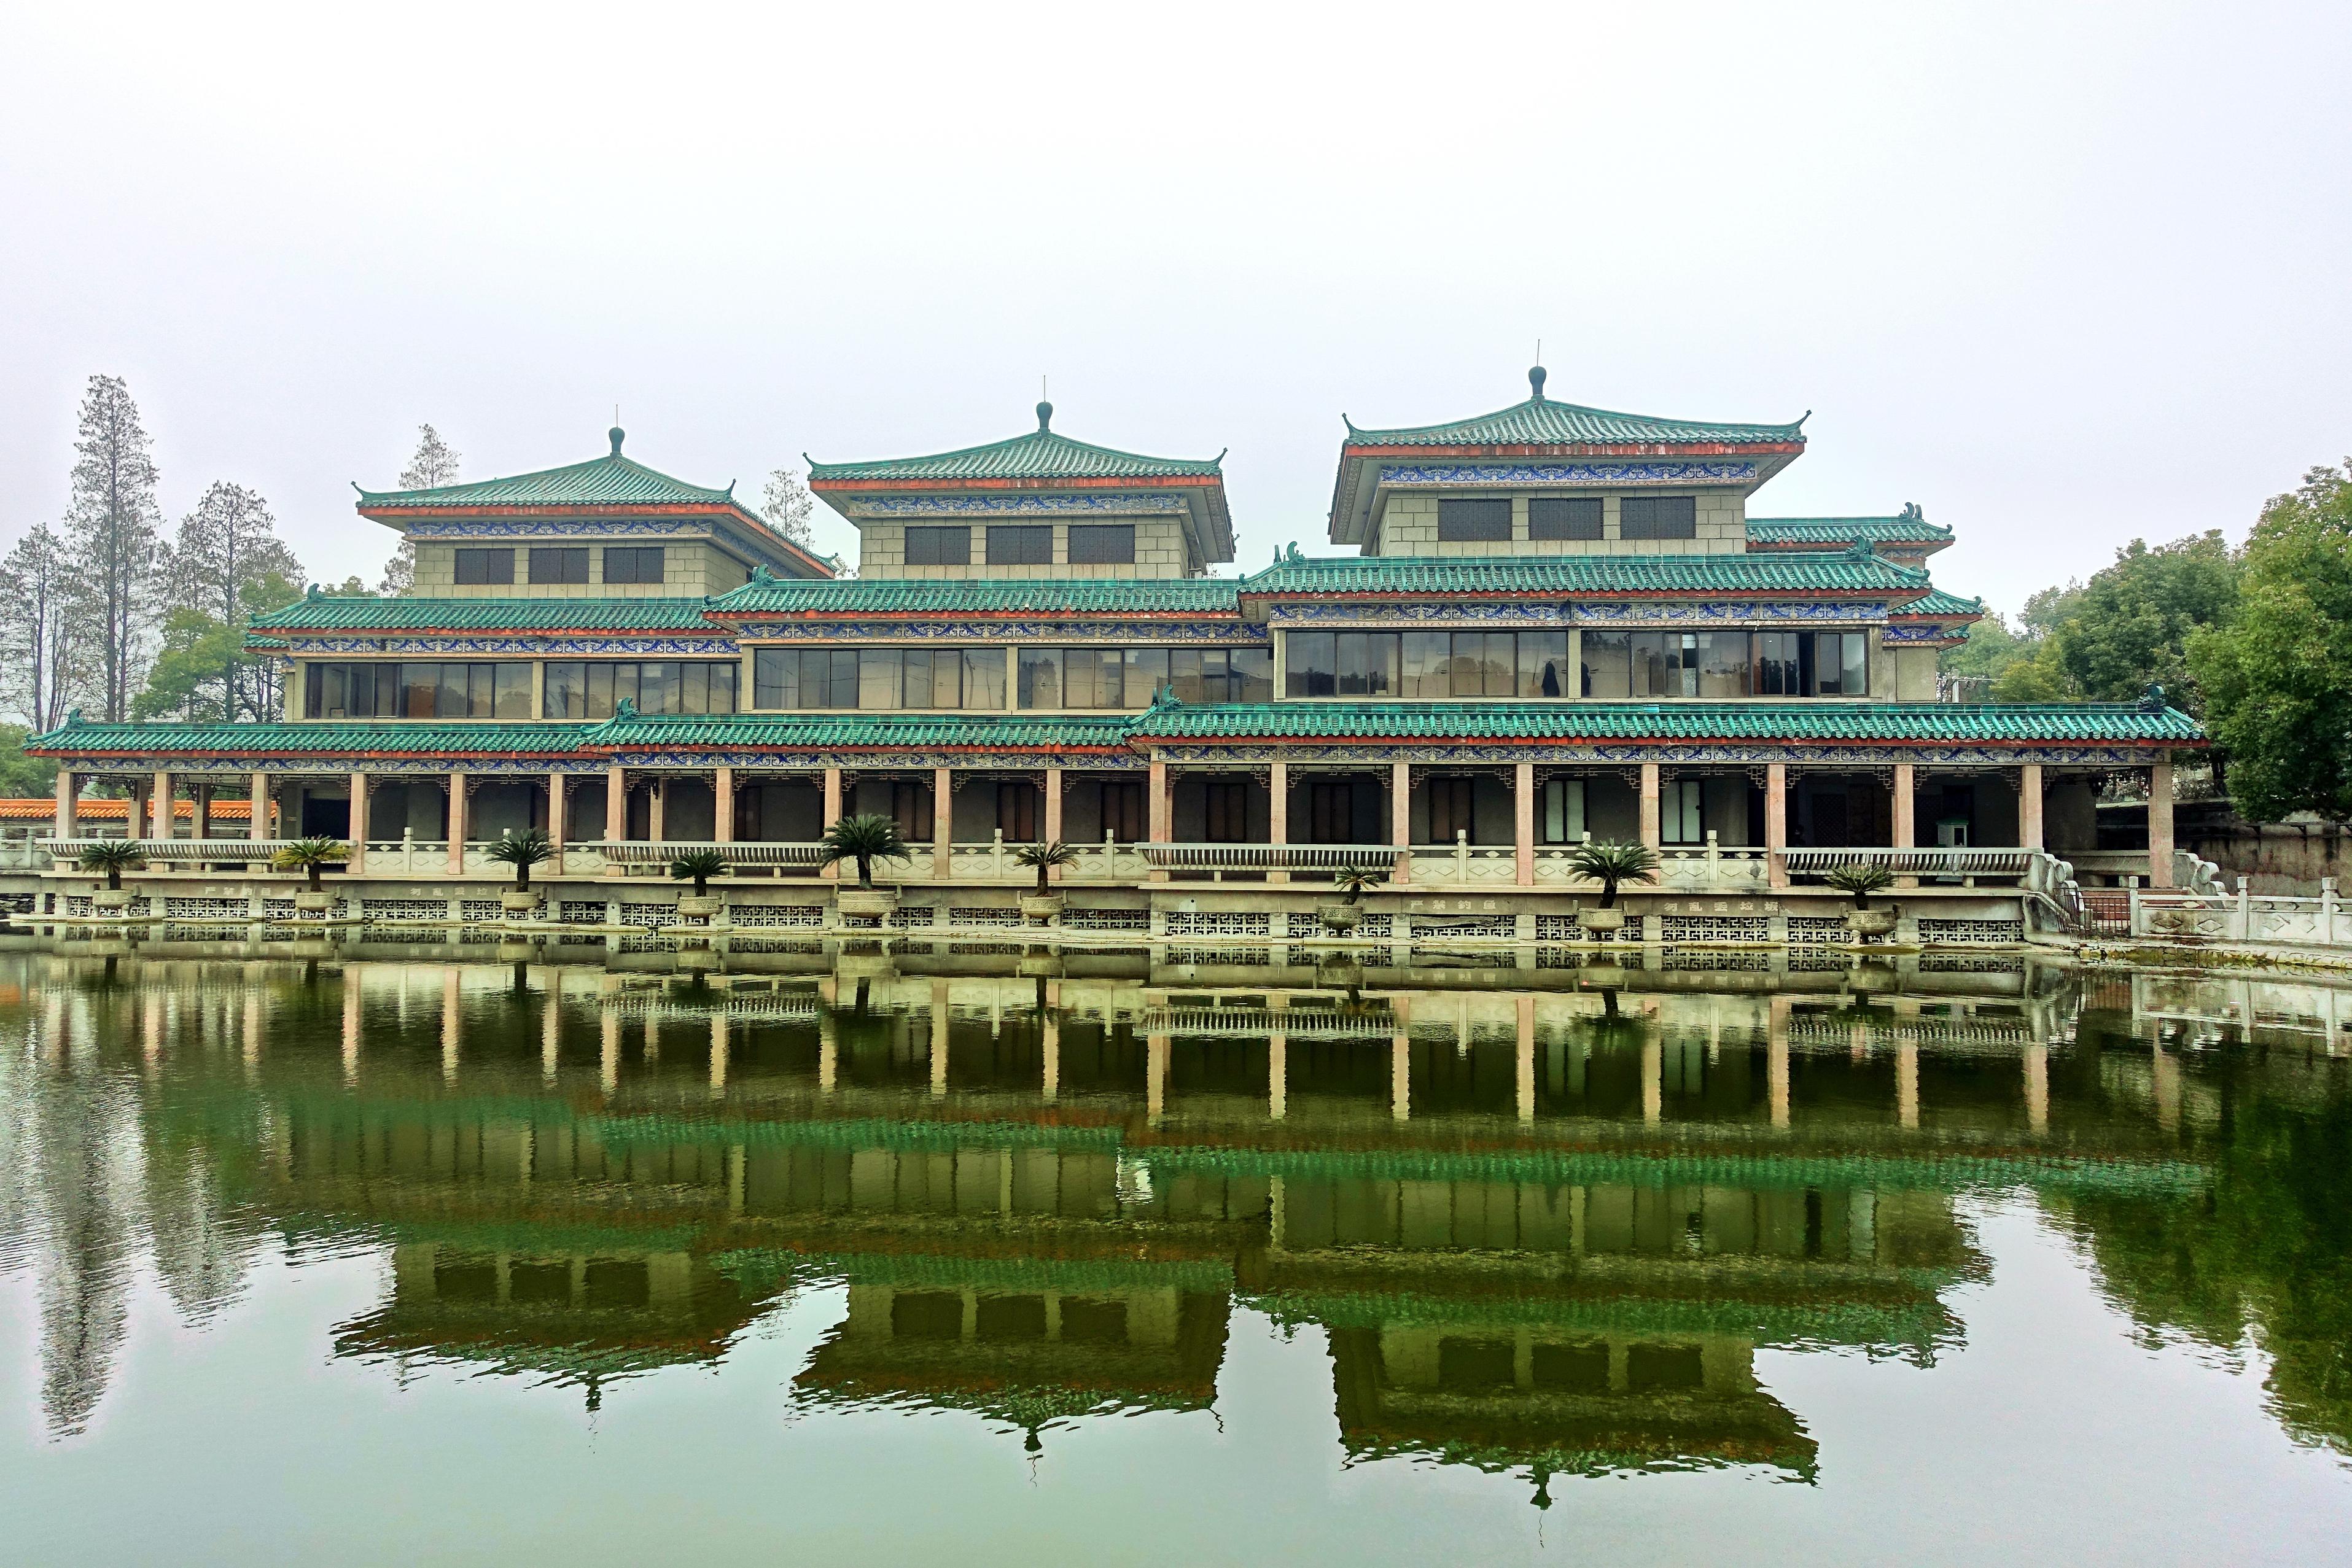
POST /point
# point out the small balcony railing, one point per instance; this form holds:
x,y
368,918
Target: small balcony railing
x,y
175,852
1947,865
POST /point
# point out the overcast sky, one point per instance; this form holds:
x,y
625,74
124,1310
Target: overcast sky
x,y
2061,274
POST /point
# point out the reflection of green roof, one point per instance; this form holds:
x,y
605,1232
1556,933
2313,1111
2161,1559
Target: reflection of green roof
x,y
1909,527
331,738
1516,575
1191,596
324,613
1586,721
758,1269
1038,454
1540,422
609,481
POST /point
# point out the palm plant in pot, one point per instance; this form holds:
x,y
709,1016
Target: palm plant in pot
x,y
862,841
699,866
111,858
1352,883
1612,865
1859,879
1044,905
521,851
310,856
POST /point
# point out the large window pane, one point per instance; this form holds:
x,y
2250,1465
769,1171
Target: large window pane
x,y
1314,658
661,684
559,563
723,687
566,693
840,677
600,691
511,691
627,684
1252,678
880,674
1777,670
915,689
632,563
1366,664
1564,517
1462,520
1184,673
1102,544
478,568
1543,665
983,679
1021,545
1041,678
930,545
1146,677
1607,660
775,678
694,688
1722,663
1428,665
323,692
387,690
1657,517
1483,663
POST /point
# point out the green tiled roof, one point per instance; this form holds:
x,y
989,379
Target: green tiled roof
x,y
1827,721
1775,574
612,480
331,738
1039,454
984,596
1540,422
1948,605
1907,528
323,614
789,732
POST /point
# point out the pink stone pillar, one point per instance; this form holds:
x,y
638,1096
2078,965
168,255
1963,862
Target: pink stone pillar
x,y
161,827
832,815
558,791
1277,817
2028,805
68,793
1651,833
456,823
1906,803
1775,821
722,806
358,863
2159,825
1523,817
616,804
257,825
1401,817
942,824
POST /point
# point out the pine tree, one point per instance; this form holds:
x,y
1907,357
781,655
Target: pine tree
x,y
40,667
113,526
434,464
788,506
226,563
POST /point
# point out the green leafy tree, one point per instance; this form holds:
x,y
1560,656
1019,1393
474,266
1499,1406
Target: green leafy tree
x,y
22,777
204,671
113,527
228,562
432,466
2277,676
2109,639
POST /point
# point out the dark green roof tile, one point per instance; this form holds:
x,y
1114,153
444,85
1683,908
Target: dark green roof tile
x,y
984,596
1951,606
609,481
330,739
1041,454
323,614
1907,527
790,732
1727,573
1540,422
1693,721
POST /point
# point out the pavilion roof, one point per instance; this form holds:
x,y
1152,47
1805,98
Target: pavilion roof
x,y
1847,573
1042,453
1571,722
324,613
611,480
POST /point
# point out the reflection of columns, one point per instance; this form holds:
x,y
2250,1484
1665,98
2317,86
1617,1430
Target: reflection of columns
x,y
1905,804
722,805
551,1036
1278,813
1523,821
651,1048
1401,817
456,823
1650,833
350,1025
2028,805
1053,1033
257,825
942,824
1155,1075
162,804
68,783
452,1025
1527,1035
2167,1084
829,1052
2159,825
1776,1058
1277,1074
939,1037
608,1053
1653,1080
1776,820
1399,1074
616,804
252,1033
832,815
1906,1084
2037,1087
718,1053
359,822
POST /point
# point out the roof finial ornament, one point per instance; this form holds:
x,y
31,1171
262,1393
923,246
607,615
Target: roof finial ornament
x,y
616,432
1044,409
1535,373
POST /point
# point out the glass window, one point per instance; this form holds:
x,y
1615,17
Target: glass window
x,y
694,688
880,674
775,677
723,687
1368,664
840,666
1657,663
932,546
1146,675
449,699
1041,676
1779,670
1563,811
659,687
510,691
1543,665
1460,519
600,691
323,693
914,691
631,563
479,567
1484,664
1564,517
1428,665
983,679
1657,517
1314,660
1250,676
1722,659
627,688
1025,544
559,563
1842,664
1102,544
1682,815
566,693
1607,664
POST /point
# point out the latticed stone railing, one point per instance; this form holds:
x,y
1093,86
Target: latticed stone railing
x,y
1936,862
1271,857
2243,916
175,852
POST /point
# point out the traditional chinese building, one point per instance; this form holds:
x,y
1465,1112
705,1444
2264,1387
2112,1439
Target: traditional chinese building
x,y
1539,624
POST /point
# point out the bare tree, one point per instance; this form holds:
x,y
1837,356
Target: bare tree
x,y
112,525
434,464
788,506
39,668
228,556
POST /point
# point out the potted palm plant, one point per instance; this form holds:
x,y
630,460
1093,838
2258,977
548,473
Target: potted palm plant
x,y
699,866
862,841
1859,879
310,856
1044,906
111,858
1610,864
1352,883
521,851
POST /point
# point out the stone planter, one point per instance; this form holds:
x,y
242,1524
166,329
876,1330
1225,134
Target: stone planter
x,y
870,903
1044,907
112,899
1602,921
1869,924
309,903
698,905
518,901
1338,917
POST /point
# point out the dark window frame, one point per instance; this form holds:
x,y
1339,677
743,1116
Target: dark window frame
x,y
1473,520
483,566
632,558
1565,517
1020,542
561,559
927,544
1657,517
1102,544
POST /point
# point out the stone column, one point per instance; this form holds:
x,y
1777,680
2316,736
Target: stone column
x,y
1277,815
1401,817
1651,833
1277,1074
358,863
161,800
1527,1058
656,827
1399,1074
200,815
1776,1057
2028,805
456,823
2159,825
1906,1085
257,825
722,805
1523,820
69,794
557,788
616,804
1776,820
942,824
2037,1088
1053,824
832,815
1905,804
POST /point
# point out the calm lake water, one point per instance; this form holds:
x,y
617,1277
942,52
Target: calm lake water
x,y
405,1260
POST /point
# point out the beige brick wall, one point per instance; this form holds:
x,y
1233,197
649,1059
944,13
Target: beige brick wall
x,y
1912,676
1408,526
1158,552
689,567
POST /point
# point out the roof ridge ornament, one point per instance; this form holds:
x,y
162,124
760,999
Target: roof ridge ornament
x,y
1535,381
616,436
2154,701
1045,417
